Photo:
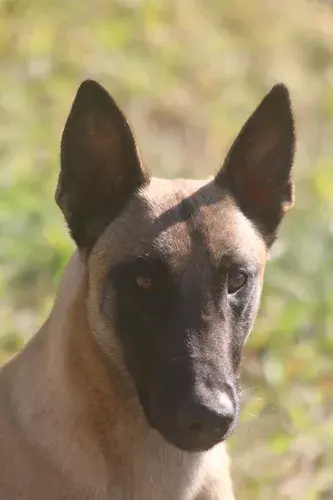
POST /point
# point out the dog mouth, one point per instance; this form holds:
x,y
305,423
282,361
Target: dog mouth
x,y
193,444
195,438
186,410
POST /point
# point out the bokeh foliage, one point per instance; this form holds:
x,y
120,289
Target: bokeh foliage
x,y
187,73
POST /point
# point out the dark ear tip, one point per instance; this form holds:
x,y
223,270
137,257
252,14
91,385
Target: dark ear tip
x,y
90,87
92,96
89,83
278,101
281,94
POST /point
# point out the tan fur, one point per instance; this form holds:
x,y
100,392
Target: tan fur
x,y
70,423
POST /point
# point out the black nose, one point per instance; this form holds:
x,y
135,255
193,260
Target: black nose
x,y
207,419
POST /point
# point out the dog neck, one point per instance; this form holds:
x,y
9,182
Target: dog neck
x,y
65,397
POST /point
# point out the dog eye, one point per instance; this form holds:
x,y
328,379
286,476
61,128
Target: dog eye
x,y
236,280
144,282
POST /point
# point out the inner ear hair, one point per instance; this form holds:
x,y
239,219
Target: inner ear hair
x,y
100,164
257,170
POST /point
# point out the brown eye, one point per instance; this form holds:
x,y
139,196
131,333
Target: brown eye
x,y
236,280
144,282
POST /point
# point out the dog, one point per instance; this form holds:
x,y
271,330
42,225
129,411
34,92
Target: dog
x,y
130,388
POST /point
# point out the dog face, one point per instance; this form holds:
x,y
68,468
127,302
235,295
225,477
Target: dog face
x,y
175,267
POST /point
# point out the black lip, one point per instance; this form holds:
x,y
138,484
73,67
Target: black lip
x,y
200,444
169,432
191,447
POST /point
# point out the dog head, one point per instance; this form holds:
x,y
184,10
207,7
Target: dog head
x,y
175,266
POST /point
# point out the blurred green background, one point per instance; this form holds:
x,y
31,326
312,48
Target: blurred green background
x,y
188,73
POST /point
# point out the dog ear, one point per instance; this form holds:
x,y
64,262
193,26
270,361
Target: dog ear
x,y
258,168
100,164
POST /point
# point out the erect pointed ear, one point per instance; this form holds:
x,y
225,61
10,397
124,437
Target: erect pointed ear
x,y
258,168
100,164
